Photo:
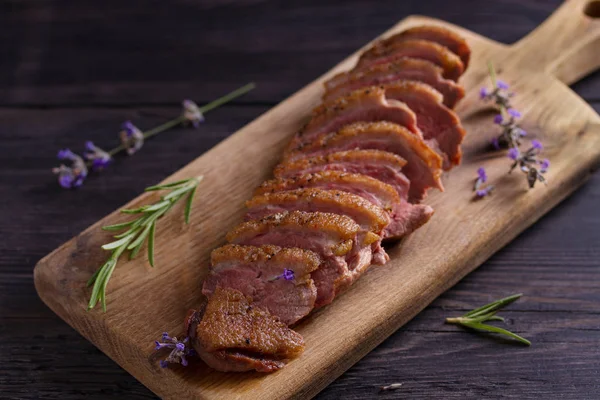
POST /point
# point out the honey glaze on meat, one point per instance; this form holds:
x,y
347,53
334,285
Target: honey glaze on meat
x,y
353,176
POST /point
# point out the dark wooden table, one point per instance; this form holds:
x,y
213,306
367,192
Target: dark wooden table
x,y
72,71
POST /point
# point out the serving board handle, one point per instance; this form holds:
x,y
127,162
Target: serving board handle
x,y
570,38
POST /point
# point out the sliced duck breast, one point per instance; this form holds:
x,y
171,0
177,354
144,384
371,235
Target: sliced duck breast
x,y
439,55
275,278
381,165
404,217
423,168
434,119
446,37
365,105
398,70
345,249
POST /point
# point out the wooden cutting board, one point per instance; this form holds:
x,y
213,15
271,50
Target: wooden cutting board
x,y
143,302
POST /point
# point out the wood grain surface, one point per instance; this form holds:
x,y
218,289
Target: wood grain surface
x,y
560,313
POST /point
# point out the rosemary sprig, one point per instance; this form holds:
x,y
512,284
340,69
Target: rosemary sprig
x,y
475,319
138,230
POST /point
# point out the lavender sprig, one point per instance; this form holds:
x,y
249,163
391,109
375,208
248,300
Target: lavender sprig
x,y
475,319
180,349
510,137
138,230
132,139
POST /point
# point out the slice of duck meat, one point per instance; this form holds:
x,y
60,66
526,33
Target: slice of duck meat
x,y
402,69
276,279
404,217
361,105
368,216
446,37
381,165
450,63
423,168
345,251
434,119
230,333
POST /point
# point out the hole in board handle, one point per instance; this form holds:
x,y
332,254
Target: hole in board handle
x,y
592,9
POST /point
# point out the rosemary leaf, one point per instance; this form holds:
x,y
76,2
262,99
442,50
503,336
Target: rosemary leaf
x,y
118,243
495,329
188,205
117,227
165,186
494,306
151,244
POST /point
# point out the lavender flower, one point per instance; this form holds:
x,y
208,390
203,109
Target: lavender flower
x,y
501,85
513,153
498,119
544,165
99,158
131,137
191,113
287,275
514,113
179,350
537,145
483,93
482,175
73,176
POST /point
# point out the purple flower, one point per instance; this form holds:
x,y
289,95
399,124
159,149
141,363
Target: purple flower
x,y
288,274
482,175
513,153
536,145
544,165
99,158
501,84
131,137
496,143
179,350
522,132
514,113
483,93
191,113
70,177
498,119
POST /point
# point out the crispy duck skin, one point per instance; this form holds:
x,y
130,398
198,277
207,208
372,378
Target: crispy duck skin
x,y
345,249
257,273
403,69
437,122
361,105
378,164
230,333
444,36
423,167
450,63
368,216
404,217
